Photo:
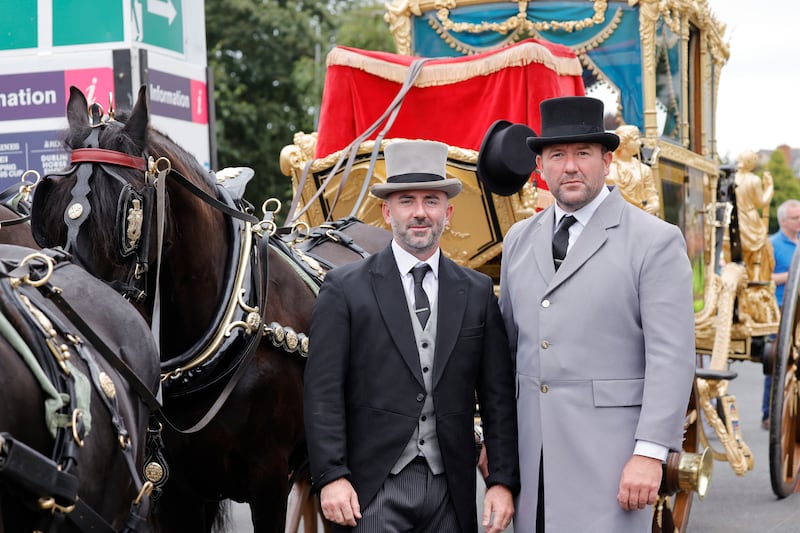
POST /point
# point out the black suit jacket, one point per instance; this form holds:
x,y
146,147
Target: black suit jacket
x,y
364,389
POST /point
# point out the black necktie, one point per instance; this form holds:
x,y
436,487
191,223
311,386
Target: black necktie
x,y
421,304
561,239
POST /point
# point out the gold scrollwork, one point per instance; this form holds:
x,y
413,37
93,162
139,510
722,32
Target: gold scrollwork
x,y
521,21
252,321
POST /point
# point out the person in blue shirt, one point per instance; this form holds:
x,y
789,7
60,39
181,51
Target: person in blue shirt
x,y
784,241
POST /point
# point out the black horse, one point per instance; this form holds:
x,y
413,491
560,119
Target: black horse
x,y
72,427
231,303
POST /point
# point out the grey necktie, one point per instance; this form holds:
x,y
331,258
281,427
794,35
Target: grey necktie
x,y
561,239
421,304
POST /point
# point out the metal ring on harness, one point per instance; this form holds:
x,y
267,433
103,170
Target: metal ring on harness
x,y
154,168
49,261
77,415
301,236
264,208
27,188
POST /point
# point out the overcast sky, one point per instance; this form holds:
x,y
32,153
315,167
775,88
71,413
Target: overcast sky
x,y
759,91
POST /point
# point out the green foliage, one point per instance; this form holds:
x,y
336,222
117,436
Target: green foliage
x,y
786,186
268,61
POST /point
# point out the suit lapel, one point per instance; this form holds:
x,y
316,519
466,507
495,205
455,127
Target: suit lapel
x,y
451,304
592,237
393,307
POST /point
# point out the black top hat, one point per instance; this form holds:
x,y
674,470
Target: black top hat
x,y
572,119
505,162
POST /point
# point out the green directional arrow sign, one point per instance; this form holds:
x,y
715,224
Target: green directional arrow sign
x,y
18,25
83,22
160,23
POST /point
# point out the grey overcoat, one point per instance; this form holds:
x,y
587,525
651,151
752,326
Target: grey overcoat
x,y
604,355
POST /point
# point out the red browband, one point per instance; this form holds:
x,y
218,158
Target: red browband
x,y
99,155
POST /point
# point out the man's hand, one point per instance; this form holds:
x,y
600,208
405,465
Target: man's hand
x,y
498,508
639,484
340,502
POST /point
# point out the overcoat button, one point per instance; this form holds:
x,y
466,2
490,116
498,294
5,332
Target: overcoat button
x,y
420,397
545,345
545,303
544,388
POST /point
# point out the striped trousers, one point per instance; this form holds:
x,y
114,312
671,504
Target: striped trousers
x,y
413,501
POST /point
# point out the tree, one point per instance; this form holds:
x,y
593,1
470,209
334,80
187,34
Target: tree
x,y
786,186
267,59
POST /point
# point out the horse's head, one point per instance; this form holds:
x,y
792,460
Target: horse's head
x,y
93,208
102,208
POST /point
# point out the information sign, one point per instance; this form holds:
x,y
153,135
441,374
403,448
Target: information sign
x,y
41,151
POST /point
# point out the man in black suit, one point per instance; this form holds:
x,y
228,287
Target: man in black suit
x,y
400,344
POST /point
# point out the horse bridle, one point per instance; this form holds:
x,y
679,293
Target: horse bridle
x,y
134,208
134,211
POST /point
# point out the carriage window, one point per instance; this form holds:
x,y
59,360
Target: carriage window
x,y
668,82
682,194
696,98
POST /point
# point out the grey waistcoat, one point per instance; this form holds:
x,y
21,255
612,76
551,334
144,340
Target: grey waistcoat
x,y
424,441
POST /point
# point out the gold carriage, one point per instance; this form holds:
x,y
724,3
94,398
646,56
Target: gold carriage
x,y
656,64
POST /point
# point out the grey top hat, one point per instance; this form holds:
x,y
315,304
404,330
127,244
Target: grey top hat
x,y
572,119
415,166
505,162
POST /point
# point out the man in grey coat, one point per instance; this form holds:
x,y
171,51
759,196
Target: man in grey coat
x,y
599,315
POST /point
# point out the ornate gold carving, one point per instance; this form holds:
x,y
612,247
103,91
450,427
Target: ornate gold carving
x,y
153,472
753,197
634,179
134,223
520,20
252,321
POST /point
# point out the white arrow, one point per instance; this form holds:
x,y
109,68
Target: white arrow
x,y
137,19
162,8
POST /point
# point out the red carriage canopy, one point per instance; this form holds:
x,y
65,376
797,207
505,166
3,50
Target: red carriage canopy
x,y
454,100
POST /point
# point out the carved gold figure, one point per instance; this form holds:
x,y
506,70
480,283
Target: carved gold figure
x,y
753,196
634,178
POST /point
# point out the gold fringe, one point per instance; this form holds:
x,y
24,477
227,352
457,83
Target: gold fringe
x,y
446,73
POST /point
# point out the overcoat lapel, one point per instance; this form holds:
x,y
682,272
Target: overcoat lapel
x,y
592,238
451,304
391,298
541,239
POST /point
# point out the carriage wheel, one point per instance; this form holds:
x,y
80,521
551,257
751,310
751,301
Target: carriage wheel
x,y
784,430
674,513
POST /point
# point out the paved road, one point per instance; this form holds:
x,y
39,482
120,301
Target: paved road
x,y
734,504
746,504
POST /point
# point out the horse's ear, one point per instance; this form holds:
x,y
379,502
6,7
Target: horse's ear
x,y
77,109
136,126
